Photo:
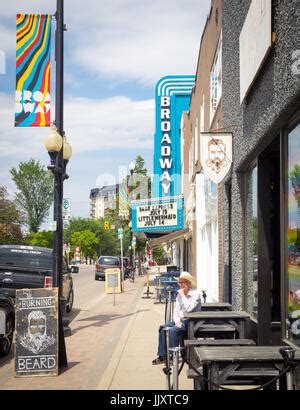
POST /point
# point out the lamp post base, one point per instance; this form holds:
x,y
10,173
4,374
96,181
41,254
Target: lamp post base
x,y
62,354
65,320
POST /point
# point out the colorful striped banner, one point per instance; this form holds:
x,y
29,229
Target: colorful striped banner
x,y
33,70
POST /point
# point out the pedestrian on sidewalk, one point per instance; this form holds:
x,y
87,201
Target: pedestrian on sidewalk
x,y
188,299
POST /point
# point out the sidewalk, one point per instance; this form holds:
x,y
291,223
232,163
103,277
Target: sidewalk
x,y
130,367
111,347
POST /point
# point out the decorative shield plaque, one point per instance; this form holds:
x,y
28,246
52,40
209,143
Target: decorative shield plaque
x,y
216,155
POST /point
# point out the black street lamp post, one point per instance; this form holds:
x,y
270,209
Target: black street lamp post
x,y
131,169
60,152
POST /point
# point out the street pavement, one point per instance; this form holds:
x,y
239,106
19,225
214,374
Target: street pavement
x,y
111,347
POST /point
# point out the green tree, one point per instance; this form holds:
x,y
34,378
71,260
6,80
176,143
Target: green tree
x,y
139,183
44,239
158,254
35,185
108,243
140,166
87,241
10,220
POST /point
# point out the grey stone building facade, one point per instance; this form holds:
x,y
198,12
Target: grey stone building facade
x,y
260,222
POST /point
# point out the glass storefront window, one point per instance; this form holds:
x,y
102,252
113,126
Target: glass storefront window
x,y
293,236
251,242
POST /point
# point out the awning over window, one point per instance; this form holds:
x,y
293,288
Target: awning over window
x,y
168,238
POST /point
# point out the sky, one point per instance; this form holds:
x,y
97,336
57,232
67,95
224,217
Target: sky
x,y
115,53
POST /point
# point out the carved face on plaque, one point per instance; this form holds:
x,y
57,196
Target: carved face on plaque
x,y
216,155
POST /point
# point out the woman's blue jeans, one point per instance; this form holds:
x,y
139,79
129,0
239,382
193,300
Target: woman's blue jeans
x,y
176,335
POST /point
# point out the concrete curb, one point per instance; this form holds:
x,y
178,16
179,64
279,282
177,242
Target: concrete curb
x,y
109,373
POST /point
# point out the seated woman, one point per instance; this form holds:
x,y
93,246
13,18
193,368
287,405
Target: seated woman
x,y
187,300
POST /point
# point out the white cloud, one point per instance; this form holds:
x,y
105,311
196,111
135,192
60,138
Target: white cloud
x,y
8,40
124,40
117,122
113,123
139,40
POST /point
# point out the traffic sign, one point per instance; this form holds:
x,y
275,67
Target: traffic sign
x,y
133,240
120,233
66,208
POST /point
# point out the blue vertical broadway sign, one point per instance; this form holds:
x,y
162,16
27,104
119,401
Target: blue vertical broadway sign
x,y
172,97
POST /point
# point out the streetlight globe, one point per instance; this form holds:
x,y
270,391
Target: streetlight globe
x,y
53,141
67,150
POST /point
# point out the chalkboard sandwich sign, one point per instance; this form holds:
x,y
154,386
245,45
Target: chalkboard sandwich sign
x,y
113,280
36,332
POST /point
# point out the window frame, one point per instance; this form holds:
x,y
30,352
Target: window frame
x,y
246,174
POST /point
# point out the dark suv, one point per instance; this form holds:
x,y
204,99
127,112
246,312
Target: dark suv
x,y
31,267
106,262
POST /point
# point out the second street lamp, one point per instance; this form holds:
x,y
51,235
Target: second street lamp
x,y
131,169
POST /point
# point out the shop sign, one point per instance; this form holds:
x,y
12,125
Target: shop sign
x,y
216,155
172,98
113,280
157,214
36,332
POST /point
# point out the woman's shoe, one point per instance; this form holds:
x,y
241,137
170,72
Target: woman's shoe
x,y
158,360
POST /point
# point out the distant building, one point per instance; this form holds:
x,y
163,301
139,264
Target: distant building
x,y
102,199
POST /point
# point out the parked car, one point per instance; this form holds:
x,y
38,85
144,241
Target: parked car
x,y
7,324
32,267
106,262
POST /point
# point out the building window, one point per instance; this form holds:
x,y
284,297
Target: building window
x,y
191,160
251,242
202,114
293,236
216,81
196,156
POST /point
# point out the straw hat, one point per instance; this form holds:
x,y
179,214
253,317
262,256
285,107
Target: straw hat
x,y
189,277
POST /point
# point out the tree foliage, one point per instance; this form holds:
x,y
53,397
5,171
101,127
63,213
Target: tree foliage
x,y
140,166
44,239
158,254
139,183
295,180
10,220
108,243
35,192
87,241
